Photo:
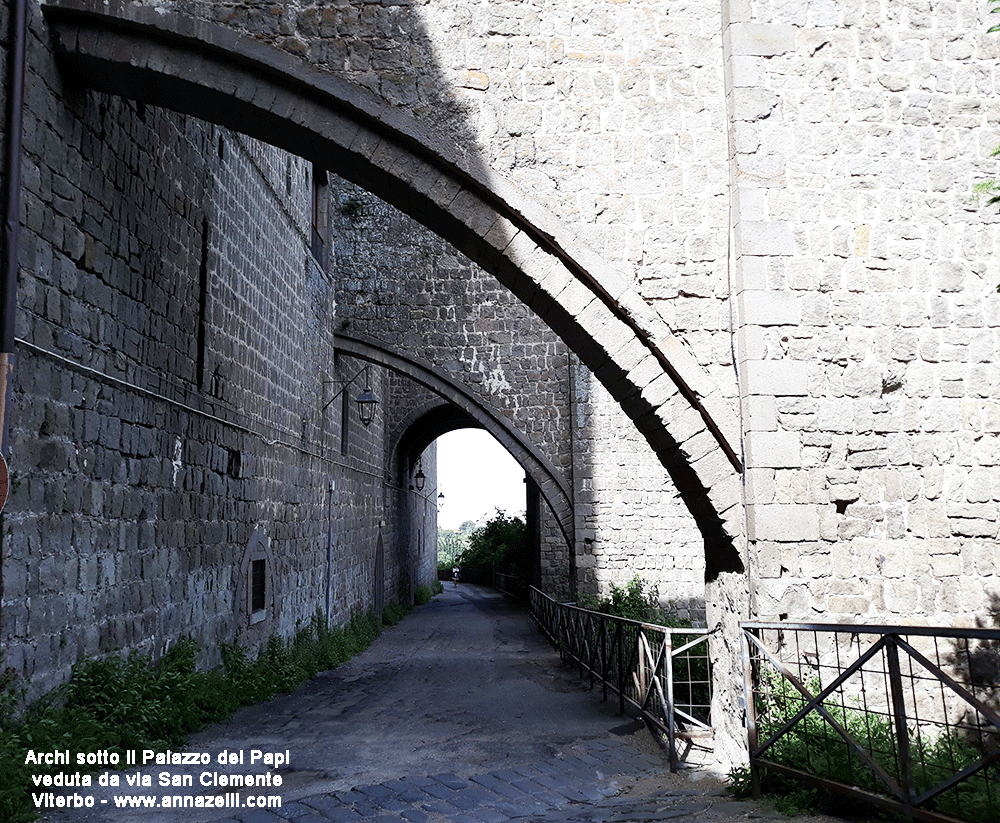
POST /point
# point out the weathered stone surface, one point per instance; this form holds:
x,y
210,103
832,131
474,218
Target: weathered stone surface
x,y
758,238
760,39
785,522
777,378
660,155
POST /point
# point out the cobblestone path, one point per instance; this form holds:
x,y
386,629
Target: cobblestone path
x,y
461,713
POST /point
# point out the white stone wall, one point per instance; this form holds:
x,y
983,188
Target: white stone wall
x,y
630,520
865,277
840,145
613,116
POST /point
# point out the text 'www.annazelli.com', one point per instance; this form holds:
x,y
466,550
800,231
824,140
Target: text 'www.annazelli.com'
x,y
230,800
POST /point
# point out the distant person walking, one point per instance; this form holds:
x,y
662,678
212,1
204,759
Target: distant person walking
x,y
455,574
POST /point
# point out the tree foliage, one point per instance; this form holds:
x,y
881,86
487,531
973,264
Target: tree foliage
x,y
499,544
452,542
450,545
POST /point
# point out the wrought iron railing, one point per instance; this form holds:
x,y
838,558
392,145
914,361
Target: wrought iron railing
x,y
511,585
661,671
905,718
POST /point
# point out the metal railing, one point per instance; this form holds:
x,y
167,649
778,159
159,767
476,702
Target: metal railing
x,y
661,671
511,585
905,718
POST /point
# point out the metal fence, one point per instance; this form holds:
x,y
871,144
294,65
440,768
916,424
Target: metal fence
x,y
905,718
510,584
663,672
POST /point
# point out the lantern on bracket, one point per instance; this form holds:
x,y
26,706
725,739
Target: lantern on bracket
x,y
367,402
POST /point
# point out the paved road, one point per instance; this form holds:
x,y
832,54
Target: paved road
x,y
461,713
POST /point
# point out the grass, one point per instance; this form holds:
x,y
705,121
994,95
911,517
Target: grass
x,y
811,745
130,701
425,593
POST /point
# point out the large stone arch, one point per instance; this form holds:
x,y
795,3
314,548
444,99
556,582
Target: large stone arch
x,y
459,408
165,59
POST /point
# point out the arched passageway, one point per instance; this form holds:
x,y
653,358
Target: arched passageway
x,y
212,73
459,409
475,481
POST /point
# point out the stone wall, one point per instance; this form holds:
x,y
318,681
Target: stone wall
x,y
612,116
171,423
411,291
788,185
630,520
178,415
837,147
866,275
407,288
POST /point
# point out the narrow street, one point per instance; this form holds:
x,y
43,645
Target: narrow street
x,y
460,713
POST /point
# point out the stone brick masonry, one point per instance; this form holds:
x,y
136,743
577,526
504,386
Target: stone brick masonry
x,y
775,198
865,291
173,418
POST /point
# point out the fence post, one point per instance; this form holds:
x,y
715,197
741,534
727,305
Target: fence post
x,y
899,720
640,661
604,658
621,665
751,714
668,664
591,648
561,624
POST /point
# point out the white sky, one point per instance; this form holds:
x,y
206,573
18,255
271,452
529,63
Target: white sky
x,y
477,476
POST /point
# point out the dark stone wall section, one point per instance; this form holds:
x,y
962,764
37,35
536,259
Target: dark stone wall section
x,y
172,418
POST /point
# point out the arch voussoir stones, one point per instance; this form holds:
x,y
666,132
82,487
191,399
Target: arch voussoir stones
x,y
161,57
575,297
611,343
714,470
625,352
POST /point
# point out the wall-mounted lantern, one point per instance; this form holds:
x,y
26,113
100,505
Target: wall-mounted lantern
x,y
420,479
367,401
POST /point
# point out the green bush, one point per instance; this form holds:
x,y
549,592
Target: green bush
x,y
691,670
812,746
424,594
131,702
634,602
500,545
393,613
630,602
